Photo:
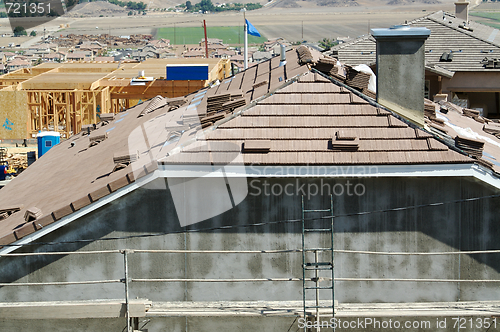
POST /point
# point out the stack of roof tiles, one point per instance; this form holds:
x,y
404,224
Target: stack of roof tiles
x,y
356,78
305,54
473,114
492,128
470,146
214,103
153,104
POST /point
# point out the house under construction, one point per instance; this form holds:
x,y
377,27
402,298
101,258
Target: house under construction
x,y
64,96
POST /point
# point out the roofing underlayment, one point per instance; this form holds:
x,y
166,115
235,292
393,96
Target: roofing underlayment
x,y
468,46
270,114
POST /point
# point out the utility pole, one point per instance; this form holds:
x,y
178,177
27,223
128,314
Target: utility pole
x,y
175,43
302,31
206,40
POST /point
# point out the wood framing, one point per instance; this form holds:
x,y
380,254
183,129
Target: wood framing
x,y
64,97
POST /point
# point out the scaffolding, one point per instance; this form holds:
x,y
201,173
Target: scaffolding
x,y
133,309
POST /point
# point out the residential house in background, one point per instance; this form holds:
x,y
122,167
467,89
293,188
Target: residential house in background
x,y
460,59
261,56
17,63
80,56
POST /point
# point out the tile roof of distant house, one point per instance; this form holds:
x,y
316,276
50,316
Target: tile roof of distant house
x,y
18,62
301,117
237,57
468,48
104,58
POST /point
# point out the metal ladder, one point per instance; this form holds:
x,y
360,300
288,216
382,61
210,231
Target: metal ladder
x,y
316,266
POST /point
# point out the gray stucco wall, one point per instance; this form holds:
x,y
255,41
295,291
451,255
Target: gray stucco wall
x,y
450,227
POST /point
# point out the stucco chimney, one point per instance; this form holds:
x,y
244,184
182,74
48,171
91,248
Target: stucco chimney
x,y
462,10
401,70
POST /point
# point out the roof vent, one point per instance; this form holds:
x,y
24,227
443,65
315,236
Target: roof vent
x,y
107,117
32,214
344,141
96,139
175,103
5,213
446,57
254,146
491,63
123,160
86,129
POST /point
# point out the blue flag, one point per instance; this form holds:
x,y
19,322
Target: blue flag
x,y
251,29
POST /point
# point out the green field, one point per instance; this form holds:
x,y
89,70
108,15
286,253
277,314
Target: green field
x,y
193,35
492,18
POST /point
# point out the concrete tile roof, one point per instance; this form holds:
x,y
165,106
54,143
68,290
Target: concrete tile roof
x,y
299,116
455,122
469,48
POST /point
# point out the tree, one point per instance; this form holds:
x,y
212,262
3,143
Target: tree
x,y
33,33
327,43
19,31
206,6
130,13
189,5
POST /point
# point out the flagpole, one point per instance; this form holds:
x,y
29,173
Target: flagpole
x,y
245,62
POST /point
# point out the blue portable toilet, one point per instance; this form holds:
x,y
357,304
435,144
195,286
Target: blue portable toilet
x,y
46,140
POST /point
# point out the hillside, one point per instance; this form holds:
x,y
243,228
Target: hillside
x,y
328,3
97,8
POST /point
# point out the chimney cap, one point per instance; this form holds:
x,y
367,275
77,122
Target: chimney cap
x,y
401,31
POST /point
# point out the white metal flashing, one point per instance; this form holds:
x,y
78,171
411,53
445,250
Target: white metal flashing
x,y
291,171
332,171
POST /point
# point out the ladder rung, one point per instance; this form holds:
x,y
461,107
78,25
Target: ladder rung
x,y
317,249
317,230
317,210
319,287
317,268
319,306
318,264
